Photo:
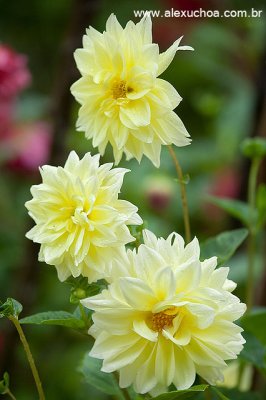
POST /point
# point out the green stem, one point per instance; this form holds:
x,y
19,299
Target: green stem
x,y
252,183
29,357
207,393
10,394
83,314
123,390
240,373
183,194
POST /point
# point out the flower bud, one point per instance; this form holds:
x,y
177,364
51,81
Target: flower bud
x,y
254,148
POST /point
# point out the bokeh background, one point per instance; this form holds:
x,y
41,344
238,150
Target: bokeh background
x,y
223,86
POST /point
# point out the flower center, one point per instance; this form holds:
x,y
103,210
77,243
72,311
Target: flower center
x,y
163,319
120,89
80,212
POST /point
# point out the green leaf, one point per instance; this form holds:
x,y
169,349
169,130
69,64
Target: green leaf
x,y
106,383
54,318
4,383
219,394
234,394
11,308
223,245
236,208
255,322
254,351
181,394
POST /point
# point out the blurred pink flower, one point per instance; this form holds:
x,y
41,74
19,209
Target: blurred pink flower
x,y
225,183
28,146
14,74
24,147
159,191
6,115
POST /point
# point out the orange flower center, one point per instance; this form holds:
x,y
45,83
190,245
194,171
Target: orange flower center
x,y
120,89
163,319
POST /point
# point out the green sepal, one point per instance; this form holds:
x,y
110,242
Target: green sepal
x,y
10,308
80,288
185,180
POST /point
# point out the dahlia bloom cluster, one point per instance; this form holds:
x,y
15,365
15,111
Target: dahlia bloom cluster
x,y
165,315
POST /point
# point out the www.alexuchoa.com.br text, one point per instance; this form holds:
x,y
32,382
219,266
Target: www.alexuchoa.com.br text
x,y
199,13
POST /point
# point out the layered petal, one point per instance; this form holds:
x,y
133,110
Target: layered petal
x,y
81,223
122,100
165,316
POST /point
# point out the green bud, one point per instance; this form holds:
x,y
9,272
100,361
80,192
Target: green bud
x,y
11,308
254,148
80,293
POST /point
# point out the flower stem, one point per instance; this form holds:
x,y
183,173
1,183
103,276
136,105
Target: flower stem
x,y
252,230
10,394
207,394
183,194
83,314
29,357
123,390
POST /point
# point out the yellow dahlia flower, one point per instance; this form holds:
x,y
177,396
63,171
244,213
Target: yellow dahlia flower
x,y
80,222
166,316
122,99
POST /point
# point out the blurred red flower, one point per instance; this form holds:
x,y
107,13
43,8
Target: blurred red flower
x,y
14,74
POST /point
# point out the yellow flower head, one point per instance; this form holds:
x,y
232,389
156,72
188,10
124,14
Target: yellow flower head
x,y
166,316
122,99
80,222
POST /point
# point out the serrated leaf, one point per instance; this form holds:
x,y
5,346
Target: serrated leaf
x,y
181,394
91,371
11,308
236,208
224,245
62,318
254,351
